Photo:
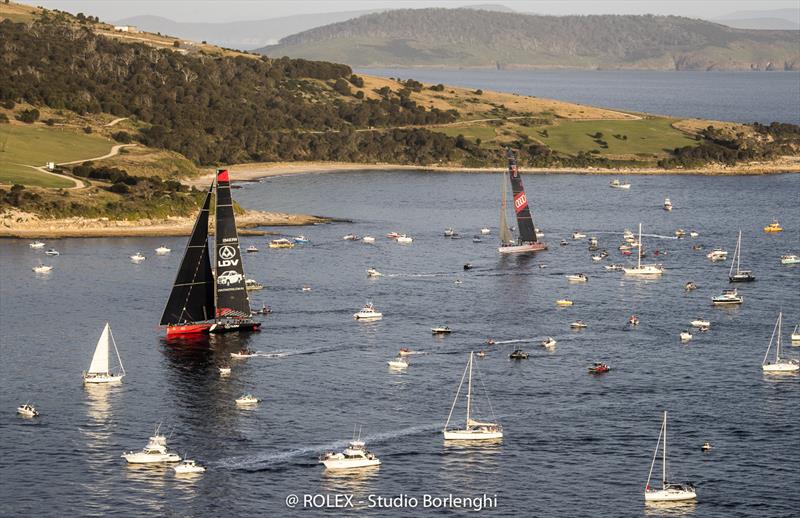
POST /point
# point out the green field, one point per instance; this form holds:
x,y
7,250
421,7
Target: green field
x,y
37,145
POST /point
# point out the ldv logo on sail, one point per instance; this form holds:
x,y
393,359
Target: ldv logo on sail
x,y
227,254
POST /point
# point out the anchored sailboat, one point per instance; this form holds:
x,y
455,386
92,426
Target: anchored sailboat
x,y
670,491
739,275
779,365
643,270
473,430
100,371
527,241
206,302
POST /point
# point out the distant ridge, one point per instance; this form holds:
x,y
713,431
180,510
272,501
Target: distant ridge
x,y
475,38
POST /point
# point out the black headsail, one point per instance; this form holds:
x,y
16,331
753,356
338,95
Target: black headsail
x,y
232,300
192,296
527,233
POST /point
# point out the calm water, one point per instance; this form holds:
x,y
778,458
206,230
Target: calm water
x,y
707,95
575,445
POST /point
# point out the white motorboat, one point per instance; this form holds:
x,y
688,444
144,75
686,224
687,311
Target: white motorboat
x,y
398,363
405,351
351,237
225,370
42,268
727,298
27,410
137,257
700,322
667,204
778,365
252,249
52,252
368,312
36,244
100,370
564,303
393,235
670,491
790,259
441,330
578,235
577,277
739,275
686,335
305,289
616,184
189,467
485,231
247,400
633,320
368,239
355,456
643,270
154,453
613,267
252,285
449,232
796,334
694,233
244,353
473,430
597,258
163,250
549,342
717,254
578,324
372,272
281,243
689,286
301,239
404,239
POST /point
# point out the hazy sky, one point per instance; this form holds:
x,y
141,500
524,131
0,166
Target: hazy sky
x,y
230,10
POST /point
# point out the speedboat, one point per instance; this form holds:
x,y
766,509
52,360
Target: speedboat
x,y
694,233
244,353
137,257
368,312
36,244
680,233
368,239
404,239
549,342
578,324
252,249
564,303
628,235
281,243
686,335
689,286
490,341
706,446
300,239
697,247
393,235
563,242
372,272
154,453
597,258
265,310
477,239
27,410
790,259
518,354
224,370
578,235
616,184
253,285
188,467
577,277
592,241
485,231
449,232
480,354
613,267
624,247
468,266
717,254
351,237
247,400
667,204
728,297
52,251
398,363
163,250
633,320
599,368
42,268
405,351
441,330
700,322
773,227
306,288
353,457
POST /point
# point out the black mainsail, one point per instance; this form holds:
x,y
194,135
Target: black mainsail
x,y
232,300
527,233
192,296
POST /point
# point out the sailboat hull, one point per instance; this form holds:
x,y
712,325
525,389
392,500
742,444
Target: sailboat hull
x,y
521,249
472,435
102,378
187,329
741,278
229,327
669,495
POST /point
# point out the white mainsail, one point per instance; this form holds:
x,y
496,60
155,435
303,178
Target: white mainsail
x,y
100,360
506,237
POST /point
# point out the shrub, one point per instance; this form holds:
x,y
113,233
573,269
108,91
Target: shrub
x,y
122,136
28,116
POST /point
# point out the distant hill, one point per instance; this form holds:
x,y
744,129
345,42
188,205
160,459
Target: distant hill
x,y
773,19
477,38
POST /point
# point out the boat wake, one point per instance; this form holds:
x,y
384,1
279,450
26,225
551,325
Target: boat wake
x,y
418,275
516,341
270,460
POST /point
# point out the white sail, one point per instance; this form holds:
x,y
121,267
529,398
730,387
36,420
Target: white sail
x,y
505,234
736,255
100,359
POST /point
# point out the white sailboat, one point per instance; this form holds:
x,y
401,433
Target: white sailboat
x,y
643,270
739,275
473,430
779,365
670,491
100,371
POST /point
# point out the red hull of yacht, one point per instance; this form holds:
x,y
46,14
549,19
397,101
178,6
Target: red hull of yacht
x,y
187,329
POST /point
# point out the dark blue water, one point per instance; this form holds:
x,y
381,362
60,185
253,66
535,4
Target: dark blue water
x,y
575,445
730,96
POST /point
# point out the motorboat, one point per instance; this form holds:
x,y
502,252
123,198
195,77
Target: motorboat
x,y
490,341
52,252
667,204
790,259
613,267
577,277
100,370
247,400
706,446
680,233
624,247
538,232
549,342
564,303
252,249
27,410
155,452
300,239
372,272
393,235
597,258
42,268
633,320
616,184
700,322
778,365
628,236
485,231
404,239
728,297
563,242
518,354
189,467
36,245
599,368
773,227
697,247
137,257
739,275
477,239
224,370
592,241
578,235
368,239
686,335
281,243
689,286
694,233
578,324
468,266
398,363
351,237
305,289
473,430
253,285
264,310
368,312
405,351
670,491
717,254
355,456
449,232
244,353
643,270
480,354
163,250
441,330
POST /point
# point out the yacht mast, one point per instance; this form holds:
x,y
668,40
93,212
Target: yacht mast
x,y
469,389
639,260
664,462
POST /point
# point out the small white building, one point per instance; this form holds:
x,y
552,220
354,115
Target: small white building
x,y
51,166
125,28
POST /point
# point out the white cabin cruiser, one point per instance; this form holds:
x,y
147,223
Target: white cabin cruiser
x,y
473,430
616,184
52,252
549,342
27,410
189,467
441,330
404,239
790,259
578,324
398,363
578,235
368,312
372,272
577,277
667,204
355,456
778,365
252,285
137,257
247,400
486,230
368,239
224,370
154,453
727,298
42,268
700,322
36,245
686,335
163,250
718,254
